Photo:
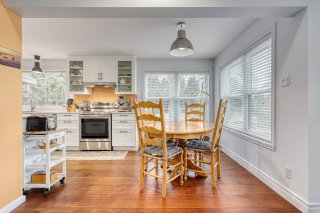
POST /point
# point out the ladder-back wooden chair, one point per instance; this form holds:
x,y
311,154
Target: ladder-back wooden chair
x,y
195,112
208,148
154,147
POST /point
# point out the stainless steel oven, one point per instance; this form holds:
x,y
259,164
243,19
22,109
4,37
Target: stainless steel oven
x,y
95,131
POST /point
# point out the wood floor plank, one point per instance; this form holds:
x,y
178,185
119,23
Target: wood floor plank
x,y
113,186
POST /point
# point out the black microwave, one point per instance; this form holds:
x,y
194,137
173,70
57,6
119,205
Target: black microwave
x,y
41,123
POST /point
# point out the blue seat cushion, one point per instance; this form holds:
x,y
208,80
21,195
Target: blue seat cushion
x,y
171,142
157,151
207,138
198,144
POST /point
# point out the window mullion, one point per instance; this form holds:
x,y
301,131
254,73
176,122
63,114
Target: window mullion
x,y
176,94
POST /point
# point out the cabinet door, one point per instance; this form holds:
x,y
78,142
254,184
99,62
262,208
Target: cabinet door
x,y
92,71
76,67
72,137
123,138
126,78
108,70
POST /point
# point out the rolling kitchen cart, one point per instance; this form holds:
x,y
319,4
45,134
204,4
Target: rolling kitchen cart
x,y
43,159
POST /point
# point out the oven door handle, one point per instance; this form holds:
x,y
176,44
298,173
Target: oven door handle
x,y
95,117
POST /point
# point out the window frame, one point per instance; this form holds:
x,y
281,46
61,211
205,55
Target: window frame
x,y
51,106
176,111
246,135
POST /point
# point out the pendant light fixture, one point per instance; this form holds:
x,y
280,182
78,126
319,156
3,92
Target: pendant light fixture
x,y
181,46
37,68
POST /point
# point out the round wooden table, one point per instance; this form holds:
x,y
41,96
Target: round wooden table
x,y
187,130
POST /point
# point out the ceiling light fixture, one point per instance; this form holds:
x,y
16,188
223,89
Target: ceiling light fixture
x,y
181,46
37,68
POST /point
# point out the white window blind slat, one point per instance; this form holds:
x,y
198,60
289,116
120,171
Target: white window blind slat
x,y
246,84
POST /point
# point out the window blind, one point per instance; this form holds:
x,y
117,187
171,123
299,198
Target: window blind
x,y
246,83
175,89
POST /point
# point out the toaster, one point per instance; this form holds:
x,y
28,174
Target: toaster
x,y
41,123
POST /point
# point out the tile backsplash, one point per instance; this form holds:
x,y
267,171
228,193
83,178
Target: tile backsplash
x,y
101,94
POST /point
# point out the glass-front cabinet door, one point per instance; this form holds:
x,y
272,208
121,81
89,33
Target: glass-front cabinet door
x,y
125,84
75,77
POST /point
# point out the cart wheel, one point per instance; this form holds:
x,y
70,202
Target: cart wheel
x,y
46,192
62,180
26,192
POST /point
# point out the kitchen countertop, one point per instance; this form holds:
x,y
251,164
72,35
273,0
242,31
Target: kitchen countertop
x,y
66,112
49,112
117,112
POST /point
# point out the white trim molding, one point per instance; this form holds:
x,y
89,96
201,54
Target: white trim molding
x,y
14,204
285,192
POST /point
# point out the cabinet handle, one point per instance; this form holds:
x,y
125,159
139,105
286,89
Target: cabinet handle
x,y
123,121
67,122
67,115
101,76
124,131
123,115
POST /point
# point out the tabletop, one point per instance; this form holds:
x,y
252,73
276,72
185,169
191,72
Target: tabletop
x,y
187,129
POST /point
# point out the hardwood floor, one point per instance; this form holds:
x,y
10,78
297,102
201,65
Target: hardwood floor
x,y
113,186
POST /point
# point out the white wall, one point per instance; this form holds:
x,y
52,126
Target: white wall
x,y
314,104
291,137
200,65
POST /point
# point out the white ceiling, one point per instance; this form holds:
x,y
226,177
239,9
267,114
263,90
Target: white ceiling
x,y
143,38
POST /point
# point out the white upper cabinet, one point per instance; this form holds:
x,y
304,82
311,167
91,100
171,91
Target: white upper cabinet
x,y
100,69
76,67
108,69
92,69
126,75
120,70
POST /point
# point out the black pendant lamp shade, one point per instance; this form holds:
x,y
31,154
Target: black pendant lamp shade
x,y
181,46
37,67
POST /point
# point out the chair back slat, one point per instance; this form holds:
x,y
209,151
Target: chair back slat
x,y
217,132
149,117
148,104
196,105
195,111
151,128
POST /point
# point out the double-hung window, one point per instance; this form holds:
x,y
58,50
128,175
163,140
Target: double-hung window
x,y
49,90
246,83
175,89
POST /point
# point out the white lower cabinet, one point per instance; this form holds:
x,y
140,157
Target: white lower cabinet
x,y
72,137
124,131
123,138
70,122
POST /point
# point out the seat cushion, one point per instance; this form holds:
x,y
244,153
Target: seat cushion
x,y
207,138
198,144
171,142
157,151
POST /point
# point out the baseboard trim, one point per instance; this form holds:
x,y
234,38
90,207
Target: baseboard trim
x,y
314,207
14,204
286,193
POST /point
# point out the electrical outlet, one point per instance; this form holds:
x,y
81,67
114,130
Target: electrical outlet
x,y
287,172
285,81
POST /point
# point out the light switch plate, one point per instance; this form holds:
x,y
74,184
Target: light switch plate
x,y
285,81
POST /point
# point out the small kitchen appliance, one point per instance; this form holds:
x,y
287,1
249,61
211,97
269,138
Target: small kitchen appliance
x,y
124,104
41,123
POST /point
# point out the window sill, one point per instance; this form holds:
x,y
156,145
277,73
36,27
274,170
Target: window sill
x,y
250,138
